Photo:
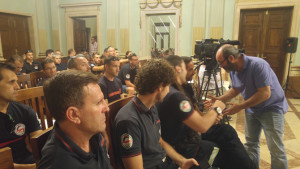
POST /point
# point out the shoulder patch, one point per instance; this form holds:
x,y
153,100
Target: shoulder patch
x,y
127,76
185,106
19,129
126,141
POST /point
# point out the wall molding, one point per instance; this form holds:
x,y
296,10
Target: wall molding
x,y
80,4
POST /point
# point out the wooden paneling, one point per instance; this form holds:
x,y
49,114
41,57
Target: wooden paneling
x,y
14,34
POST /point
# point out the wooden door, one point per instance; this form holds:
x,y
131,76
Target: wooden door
x,y
263,33
14,34
80,35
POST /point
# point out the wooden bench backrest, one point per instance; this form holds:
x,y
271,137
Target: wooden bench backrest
x,y
110,117
24,81
35,77
34,97
6,159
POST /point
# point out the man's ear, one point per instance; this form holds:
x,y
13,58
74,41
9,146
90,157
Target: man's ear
x,y
178,69
73,114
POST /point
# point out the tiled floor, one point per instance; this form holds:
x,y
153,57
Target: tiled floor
x,y
291,136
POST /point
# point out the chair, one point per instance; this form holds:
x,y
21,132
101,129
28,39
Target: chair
x,y
24,81
37,143
35,77
114,107
6,159
34,97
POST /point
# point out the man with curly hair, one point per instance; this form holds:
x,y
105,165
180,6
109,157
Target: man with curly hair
x,y
136,132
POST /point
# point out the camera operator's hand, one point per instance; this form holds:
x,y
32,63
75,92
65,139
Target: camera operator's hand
x,y
209,103
220,104
219,118
234,108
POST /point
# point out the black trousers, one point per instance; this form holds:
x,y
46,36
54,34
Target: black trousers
x,y
232,154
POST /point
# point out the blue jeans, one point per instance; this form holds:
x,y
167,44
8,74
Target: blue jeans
x,y
272,123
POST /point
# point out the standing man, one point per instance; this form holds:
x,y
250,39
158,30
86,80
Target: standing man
x,y
16,120
76,102
136,130
264,102
93,46
128,73
49,68
110,85
30,65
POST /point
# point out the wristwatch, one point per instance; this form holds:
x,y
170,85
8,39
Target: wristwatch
x,y
218,110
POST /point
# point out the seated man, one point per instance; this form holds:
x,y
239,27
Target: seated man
x,y
136,132
16,120
49,68
60,66
128,72
76,102
30,65
18,62
110,85
79,62
96,66
181,122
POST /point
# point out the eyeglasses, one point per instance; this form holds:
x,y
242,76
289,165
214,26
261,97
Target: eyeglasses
x,y
221,63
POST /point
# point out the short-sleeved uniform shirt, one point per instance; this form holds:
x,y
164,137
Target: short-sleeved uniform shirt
x,y
257,73
111,90
126,73
61,152
174,109
62,66
19,121
137,131
34,67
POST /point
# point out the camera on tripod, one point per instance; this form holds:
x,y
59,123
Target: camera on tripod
x,y
206,49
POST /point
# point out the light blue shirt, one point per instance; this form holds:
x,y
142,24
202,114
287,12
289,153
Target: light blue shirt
x,y
257,73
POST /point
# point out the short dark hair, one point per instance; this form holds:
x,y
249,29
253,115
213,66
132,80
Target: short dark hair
x,y
95,37
109,59
7,67
187,59
106,49
174,60
28,51
48,51
66,89
130,56
13,58
230,50
70,51
153,74
46,61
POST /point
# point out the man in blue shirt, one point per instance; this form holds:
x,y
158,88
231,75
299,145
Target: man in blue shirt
x,y
264,102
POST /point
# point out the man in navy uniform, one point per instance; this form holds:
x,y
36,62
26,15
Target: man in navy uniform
x,y
16,120
128,73
30,65
136,132
110,85
75,100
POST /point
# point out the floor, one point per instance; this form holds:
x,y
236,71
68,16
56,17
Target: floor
x,y
291,135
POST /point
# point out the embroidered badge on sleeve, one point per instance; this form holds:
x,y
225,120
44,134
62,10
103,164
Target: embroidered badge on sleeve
x,y
126,141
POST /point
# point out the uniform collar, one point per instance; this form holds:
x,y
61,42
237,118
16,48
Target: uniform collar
x,y
72,146
140,105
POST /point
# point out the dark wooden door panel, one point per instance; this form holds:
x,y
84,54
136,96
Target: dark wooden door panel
x,y
80,35
263,33
14,34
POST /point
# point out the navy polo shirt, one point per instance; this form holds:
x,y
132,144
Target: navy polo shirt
x,y
174,109
137,131
19,121
126,73
61,152
62,66
34,67
257,73
111,90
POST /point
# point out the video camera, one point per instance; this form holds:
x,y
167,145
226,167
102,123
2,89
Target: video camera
x,y
206,49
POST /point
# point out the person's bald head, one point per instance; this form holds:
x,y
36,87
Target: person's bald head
x,y
79,63
226,57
